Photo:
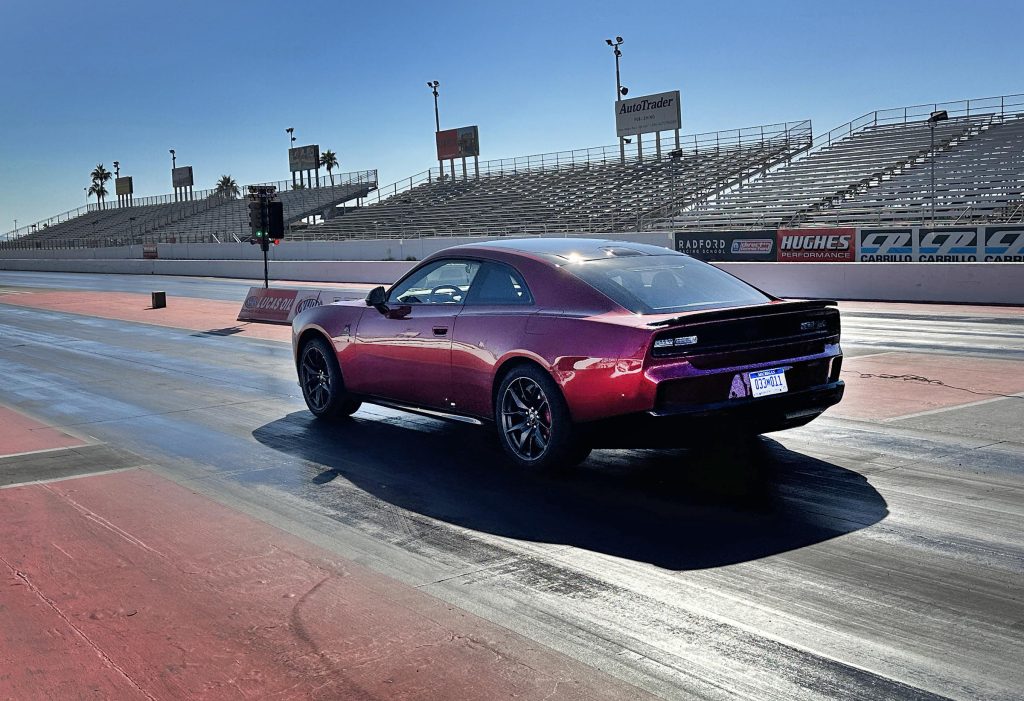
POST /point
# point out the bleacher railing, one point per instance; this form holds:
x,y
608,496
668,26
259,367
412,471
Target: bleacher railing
x,y
798,131
200,200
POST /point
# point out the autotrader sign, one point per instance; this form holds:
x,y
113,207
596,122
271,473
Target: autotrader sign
x,y
650,113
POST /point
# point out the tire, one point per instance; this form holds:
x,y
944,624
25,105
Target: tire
x,y
321,382
534,426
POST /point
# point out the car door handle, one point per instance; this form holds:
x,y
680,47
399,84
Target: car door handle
x,y
440,330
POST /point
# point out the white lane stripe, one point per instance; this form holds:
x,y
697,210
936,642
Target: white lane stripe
x,y
944,409
29,483
5,456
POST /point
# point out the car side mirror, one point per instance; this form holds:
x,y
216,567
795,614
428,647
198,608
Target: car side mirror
x,y
377,298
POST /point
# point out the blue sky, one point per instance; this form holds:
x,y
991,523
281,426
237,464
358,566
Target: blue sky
x,y
88,83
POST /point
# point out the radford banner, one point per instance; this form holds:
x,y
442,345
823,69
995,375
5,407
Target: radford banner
x,y
728,245
277,306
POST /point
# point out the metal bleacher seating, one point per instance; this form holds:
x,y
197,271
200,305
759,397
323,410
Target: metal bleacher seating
x,y
877,169
978,179
209,217
587,190
230,220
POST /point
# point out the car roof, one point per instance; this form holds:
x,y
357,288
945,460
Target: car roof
x,y
573,249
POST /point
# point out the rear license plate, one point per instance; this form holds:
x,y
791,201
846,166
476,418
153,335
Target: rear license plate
x,y
767,382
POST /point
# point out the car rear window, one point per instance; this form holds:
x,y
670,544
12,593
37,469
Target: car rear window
x,y
664,284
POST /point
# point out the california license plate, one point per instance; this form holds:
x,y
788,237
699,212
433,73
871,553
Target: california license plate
x,y
767,382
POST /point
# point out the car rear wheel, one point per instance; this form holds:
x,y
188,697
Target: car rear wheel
x,y
321,382
534,425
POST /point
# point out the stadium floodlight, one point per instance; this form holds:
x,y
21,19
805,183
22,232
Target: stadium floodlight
x,y
291,136
619,90
623,91
174,160
117,169
933,119
434,85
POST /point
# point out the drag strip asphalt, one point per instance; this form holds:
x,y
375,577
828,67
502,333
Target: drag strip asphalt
x,y
852,558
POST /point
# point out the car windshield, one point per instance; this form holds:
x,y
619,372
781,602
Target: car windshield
x,y
665,284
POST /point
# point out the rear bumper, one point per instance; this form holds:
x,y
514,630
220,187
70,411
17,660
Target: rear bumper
x,y
709,422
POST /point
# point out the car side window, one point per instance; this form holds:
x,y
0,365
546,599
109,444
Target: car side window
x,y
499,284
443,282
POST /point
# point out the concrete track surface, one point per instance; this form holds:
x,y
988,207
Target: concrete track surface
x,y
877,553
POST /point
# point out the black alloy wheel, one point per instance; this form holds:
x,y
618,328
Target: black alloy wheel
x,y
534,425
320,379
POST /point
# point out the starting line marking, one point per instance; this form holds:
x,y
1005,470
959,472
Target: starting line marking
x,y
29,483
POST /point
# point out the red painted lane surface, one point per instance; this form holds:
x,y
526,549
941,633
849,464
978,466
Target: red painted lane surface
x,y
888,385
131,586
20,434
180,312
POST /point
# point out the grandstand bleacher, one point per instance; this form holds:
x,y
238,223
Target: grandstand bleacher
x,y
876,169
210,217
588,190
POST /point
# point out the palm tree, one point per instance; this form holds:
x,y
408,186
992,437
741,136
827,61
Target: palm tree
x,y
101,192
100,175
227,187
329,160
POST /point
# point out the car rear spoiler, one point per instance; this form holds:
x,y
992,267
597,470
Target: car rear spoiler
x,y
737,312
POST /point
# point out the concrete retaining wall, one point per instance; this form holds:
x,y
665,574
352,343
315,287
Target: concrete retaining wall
x,y
974,283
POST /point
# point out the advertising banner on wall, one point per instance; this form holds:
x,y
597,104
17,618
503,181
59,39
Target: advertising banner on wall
x,y
123,186
463,142
648,113
756,245
277,306
182,177
886,245
947,245
817,245
304,158
1003,244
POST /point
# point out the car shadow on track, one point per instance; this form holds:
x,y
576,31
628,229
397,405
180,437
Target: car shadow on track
x,y
677,509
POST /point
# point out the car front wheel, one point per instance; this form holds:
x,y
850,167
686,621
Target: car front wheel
x,y
321,382
534,425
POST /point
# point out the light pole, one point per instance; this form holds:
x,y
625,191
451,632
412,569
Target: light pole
x,y
619,90
433,85
174,160
935,117
86,190
117,169
291,136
